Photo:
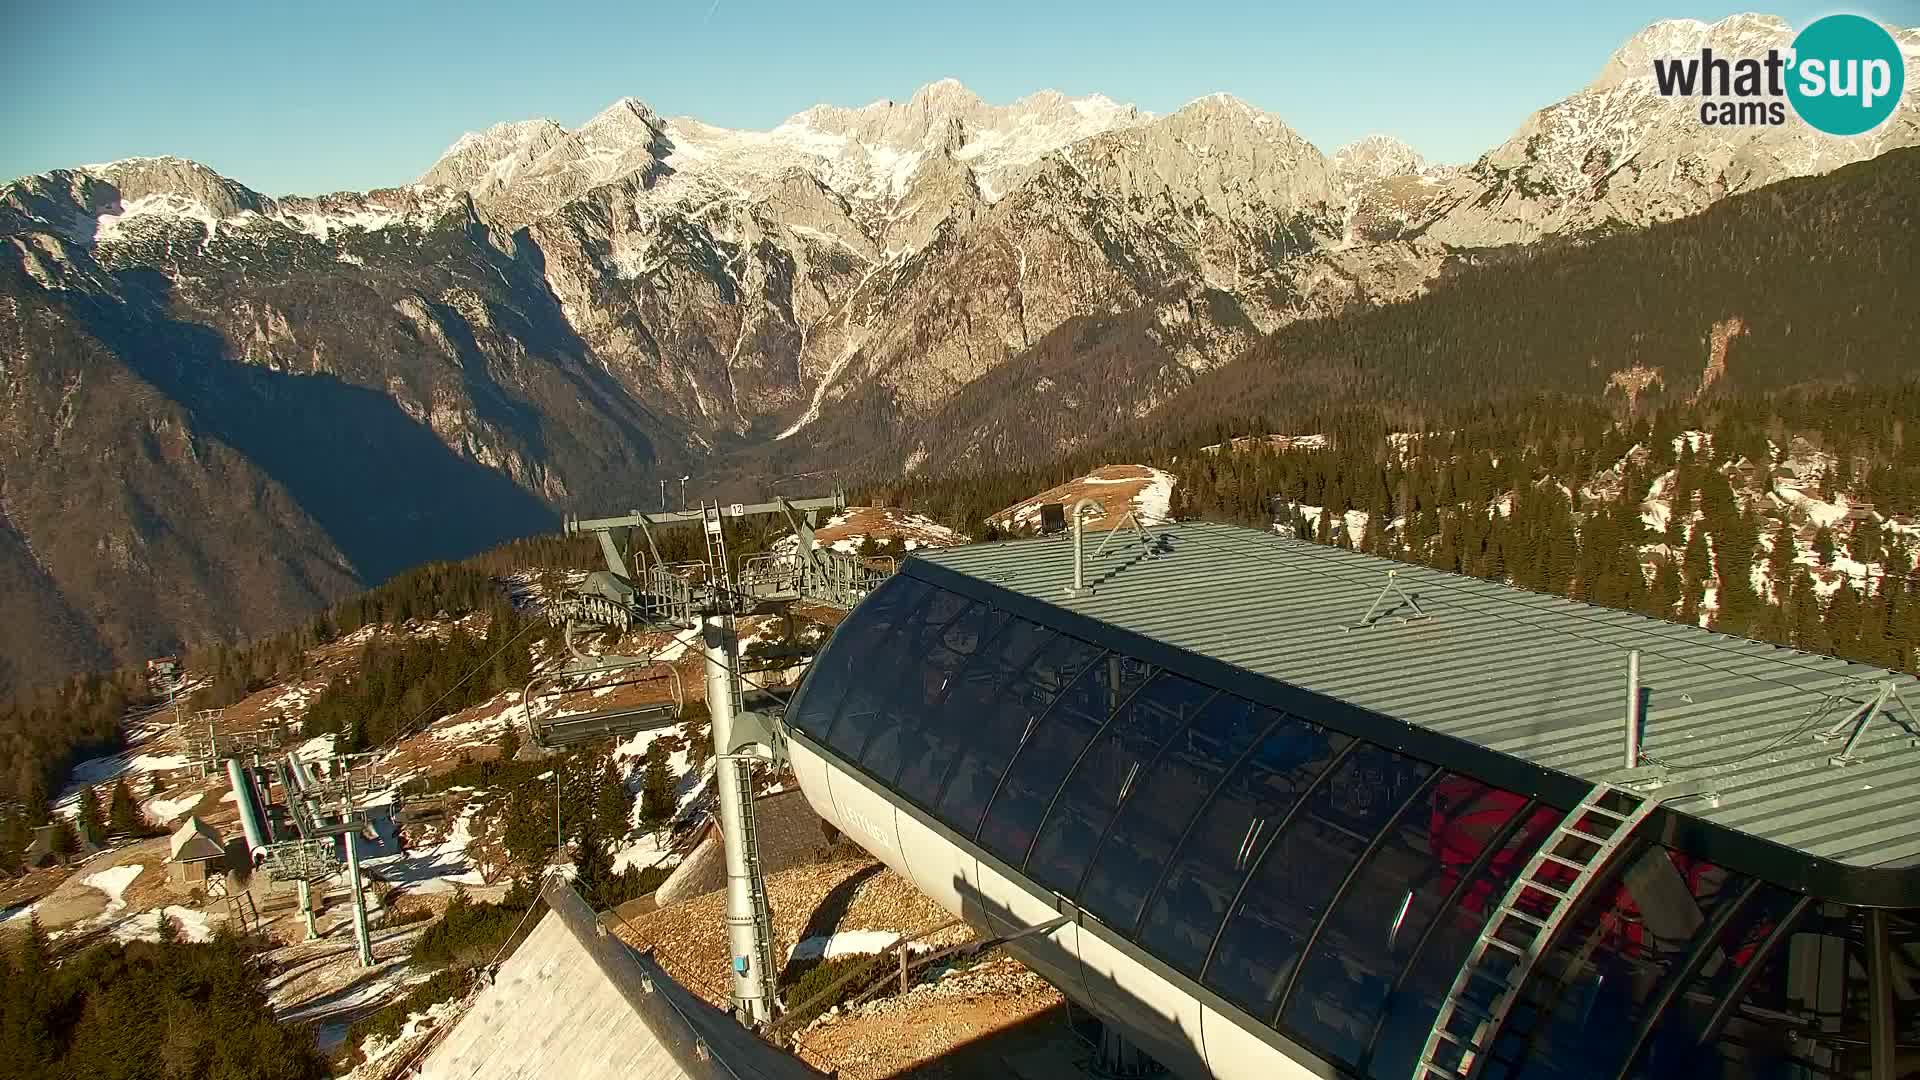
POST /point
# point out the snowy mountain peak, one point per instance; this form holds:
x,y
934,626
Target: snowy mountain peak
x,y
1736,35
524,170
1219,109
1617,153
1222,115
1377,157
132,198
1219,101
138,178
507,133
945,94
624,114
476,154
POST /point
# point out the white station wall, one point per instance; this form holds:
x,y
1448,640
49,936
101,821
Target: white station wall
x,y
1161,1017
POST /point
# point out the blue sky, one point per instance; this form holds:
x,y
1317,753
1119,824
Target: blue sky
x,y
355,94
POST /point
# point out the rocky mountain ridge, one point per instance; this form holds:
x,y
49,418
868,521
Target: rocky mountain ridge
x,y
558,316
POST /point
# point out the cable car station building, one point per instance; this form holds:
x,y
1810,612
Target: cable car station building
x,y
1274,809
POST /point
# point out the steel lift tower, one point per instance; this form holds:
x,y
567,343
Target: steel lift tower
x,y
710,595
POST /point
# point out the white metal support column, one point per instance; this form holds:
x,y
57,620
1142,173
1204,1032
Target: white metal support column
x,y
749,923
306,908
361,940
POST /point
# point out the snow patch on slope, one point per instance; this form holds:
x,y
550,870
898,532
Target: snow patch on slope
x,y
844,943
114,882
165,206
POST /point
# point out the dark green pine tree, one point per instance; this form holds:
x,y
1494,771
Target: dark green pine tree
x,y
593,867
612,804
1879,638
1690,597
1898,562
14,838
1780,561
1733,547
1823,545
696,736
28,1000
123,814
1772,623
64,842
1446,555
1680,516
1843,621
1665,592
1808,631
1864,543
656,789
1696,563
528,834
1561,548
92,827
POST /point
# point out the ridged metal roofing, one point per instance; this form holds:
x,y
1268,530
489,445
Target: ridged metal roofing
x,y
575,1001
1537,677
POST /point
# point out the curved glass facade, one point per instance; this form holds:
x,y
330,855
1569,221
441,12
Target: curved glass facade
x,y
1327,887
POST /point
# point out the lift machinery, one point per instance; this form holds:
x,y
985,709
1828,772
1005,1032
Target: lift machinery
x,y
639,588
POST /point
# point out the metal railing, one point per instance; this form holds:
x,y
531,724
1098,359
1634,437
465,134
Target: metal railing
x,y
310,860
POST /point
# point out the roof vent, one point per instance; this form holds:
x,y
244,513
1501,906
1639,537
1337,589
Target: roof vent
x,y
1079,586
1633,709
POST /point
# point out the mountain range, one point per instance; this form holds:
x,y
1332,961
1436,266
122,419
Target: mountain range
x,y
223,409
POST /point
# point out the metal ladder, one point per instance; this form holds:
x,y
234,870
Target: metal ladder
x,y
756,877
720,594
1514,939
718,580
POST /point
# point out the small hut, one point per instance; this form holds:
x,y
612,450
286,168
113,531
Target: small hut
x,y
198,853
42,850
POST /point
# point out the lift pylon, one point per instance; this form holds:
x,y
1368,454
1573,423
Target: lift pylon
x,y
647,590
707,596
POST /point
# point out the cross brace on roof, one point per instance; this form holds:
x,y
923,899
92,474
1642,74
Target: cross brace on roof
x,y
1888,691
1391,587
1132,518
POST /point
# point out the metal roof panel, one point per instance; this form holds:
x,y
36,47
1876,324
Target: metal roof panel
x,y
1538,678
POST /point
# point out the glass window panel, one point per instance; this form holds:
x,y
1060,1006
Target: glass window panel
x,y
1207,871
1163,804
1411,1010
1395,895
1804,1016
942,608
977,689
1009,713
1903,934
1051,748
1673,1046
906,731
1587,997
1300,872
1106,776
869,696
850,651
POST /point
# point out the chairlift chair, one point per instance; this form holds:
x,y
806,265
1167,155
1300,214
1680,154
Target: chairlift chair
x,y
552,731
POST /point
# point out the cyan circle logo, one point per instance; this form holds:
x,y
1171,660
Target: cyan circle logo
x,y
1848,74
